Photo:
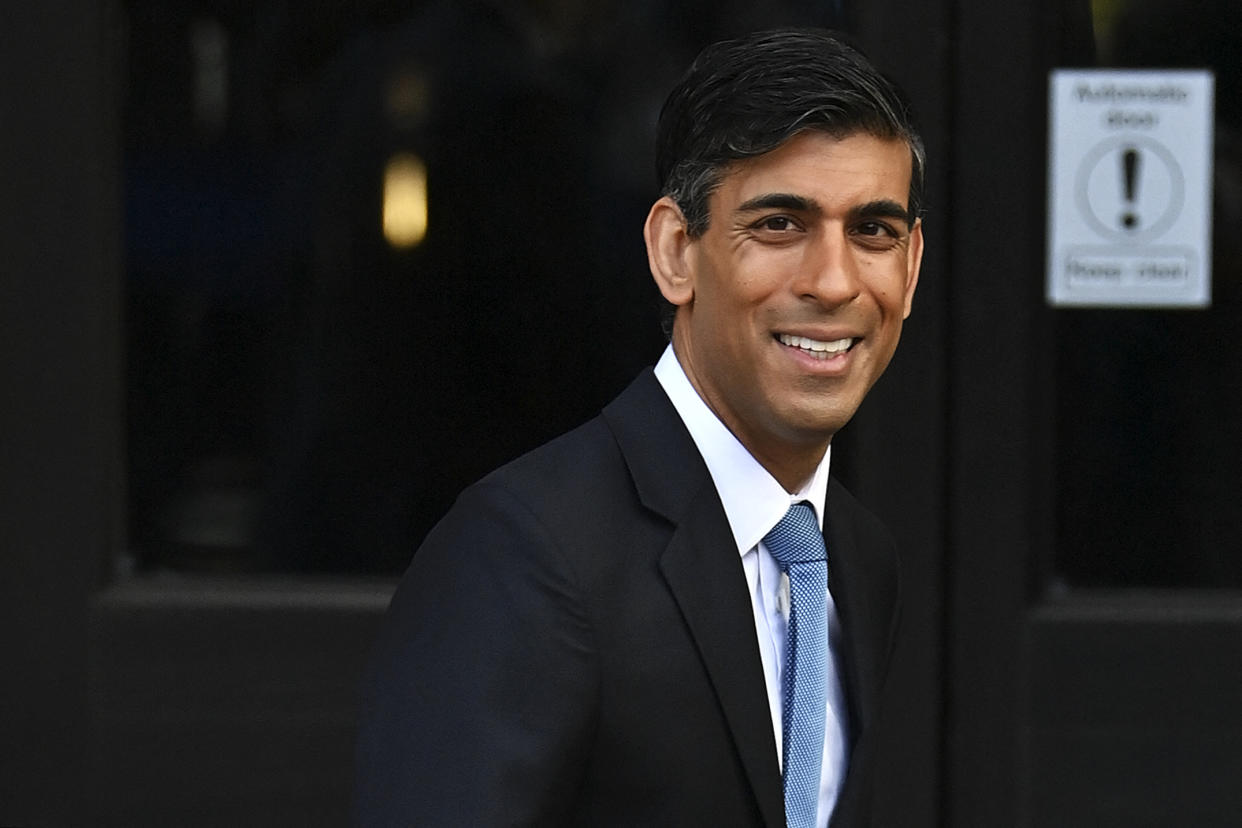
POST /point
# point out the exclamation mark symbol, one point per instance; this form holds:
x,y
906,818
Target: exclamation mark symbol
x,y
1131,163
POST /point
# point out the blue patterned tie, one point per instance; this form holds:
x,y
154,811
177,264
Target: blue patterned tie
x,y
798,547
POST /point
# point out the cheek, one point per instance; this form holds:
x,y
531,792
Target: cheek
x,y
729,307
753,272
888,286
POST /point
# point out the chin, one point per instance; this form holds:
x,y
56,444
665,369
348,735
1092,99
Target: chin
x,y
824,420
816,430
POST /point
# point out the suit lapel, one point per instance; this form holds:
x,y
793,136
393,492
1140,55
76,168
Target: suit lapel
x,y
862,576
863,584
702,569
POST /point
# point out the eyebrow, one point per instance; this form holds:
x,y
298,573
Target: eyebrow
x,y
880,208
779,201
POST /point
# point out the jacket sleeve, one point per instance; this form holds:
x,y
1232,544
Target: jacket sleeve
x,y
478,706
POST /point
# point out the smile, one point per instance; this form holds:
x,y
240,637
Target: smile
x,y
816,348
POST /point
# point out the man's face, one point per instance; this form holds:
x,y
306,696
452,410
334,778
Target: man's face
x,y
797,291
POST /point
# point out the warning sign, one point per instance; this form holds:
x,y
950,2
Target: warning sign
x,y
1130,196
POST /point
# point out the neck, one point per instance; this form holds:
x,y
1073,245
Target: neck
x,y
793,471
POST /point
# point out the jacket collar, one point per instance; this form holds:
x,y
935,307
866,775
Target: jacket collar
x,y
700,565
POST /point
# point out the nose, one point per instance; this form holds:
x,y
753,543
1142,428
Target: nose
x,y
829,272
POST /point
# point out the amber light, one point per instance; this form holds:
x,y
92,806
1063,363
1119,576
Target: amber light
x,y
405,201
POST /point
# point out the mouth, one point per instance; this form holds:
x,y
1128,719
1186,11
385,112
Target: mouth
x,y
818,349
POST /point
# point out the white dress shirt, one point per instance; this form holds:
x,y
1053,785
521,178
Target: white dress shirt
x,y
754,503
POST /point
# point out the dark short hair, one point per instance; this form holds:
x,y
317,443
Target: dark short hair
x,y
746,97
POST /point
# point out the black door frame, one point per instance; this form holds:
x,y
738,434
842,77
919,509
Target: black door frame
x,y
1000,516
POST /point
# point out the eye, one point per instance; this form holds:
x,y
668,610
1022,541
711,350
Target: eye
x,y
876,235
874,228
776,224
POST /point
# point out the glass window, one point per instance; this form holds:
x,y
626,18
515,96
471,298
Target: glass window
x,y
376,249
1148,439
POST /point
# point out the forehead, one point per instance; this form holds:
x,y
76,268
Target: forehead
x,y
818,165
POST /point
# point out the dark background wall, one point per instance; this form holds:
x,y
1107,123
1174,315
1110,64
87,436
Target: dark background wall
x,y
223,435
61,476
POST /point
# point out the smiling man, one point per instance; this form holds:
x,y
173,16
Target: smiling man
x,y
674,615
790,302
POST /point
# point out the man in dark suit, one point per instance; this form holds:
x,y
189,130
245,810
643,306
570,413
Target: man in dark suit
x,y
610,630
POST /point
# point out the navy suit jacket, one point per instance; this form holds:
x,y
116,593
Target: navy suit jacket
x,y
574,644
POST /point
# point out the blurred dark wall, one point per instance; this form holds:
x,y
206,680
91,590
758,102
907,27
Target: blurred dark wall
x,y
60,341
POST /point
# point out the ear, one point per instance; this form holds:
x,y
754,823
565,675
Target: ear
x,y
914,261
668,251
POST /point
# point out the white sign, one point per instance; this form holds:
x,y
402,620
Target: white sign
x,y
1130,188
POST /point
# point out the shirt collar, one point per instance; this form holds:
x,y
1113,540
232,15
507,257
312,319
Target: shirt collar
x,y
753,501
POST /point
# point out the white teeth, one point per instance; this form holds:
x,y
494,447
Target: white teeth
x,y
816,346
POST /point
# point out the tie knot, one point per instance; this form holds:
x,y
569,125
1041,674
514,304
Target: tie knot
x,y
796,538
